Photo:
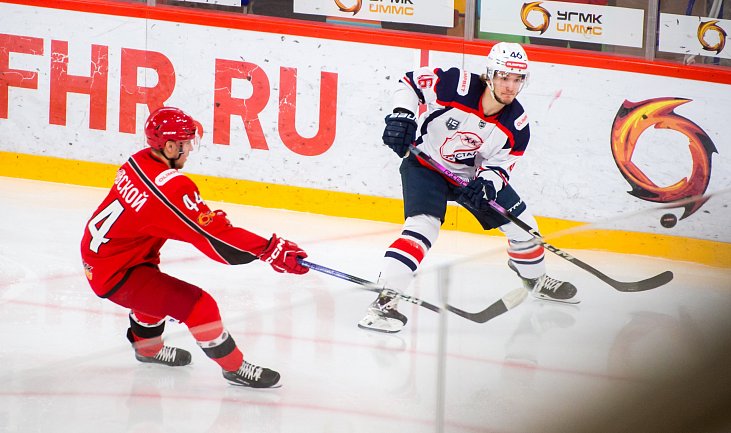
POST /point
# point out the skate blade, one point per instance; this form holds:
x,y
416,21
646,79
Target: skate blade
x,y
572,301
379,330
241,385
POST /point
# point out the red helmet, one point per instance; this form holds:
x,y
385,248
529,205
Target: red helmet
x,y
169,123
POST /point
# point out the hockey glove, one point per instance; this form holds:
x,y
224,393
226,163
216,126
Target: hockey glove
x,y
400,132
282,255
478,193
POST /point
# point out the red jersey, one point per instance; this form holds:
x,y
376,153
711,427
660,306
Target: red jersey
x,y
148,204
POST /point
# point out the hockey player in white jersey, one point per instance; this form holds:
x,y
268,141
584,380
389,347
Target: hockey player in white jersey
x,y
473,126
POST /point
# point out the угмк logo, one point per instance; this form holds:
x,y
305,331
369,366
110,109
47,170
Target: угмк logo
x,y
535,6
355,8
632,119
568,21
705,27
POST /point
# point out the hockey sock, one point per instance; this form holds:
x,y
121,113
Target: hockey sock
x,y
223,351
205,324
405,254
528,258
524,253
145,333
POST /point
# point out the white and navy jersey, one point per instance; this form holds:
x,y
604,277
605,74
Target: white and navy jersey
x,y
454,129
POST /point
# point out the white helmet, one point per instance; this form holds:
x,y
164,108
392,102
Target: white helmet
x,y
507,57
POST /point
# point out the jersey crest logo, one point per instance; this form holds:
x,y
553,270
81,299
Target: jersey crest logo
x,y
521,122
205,218
461,148
452,124
482,124
165,176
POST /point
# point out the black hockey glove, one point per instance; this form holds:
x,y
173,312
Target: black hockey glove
x,y
400,132
477,193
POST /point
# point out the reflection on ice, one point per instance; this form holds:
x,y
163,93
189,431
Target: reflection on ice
x,y
652,361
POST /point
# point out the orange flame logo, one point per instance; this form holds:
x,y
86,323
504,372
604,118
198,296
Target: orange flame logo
x,y
535,6
631,121
355,8
707,26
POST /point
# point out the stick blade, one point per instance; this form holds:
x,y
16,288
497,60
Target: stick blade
x,y
648,284
502,305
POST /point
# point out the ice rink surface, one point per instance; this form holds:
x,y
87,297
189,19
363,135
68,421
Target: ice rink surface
x,y
650,361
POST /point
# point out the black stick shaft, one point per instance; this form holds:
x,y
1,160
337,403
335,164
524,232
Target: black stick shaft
x,y
502,305
638,286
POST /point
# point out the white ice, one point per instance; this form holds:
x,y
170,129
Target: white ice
x,y
65,365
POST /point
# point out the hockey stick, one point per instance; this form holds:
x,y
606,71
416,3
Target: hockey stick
x,y
638,286
509,301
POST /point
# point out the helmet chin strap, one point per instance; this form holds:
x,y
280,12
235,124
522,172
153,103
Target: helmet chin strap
x,y
172,161
492,89
494,97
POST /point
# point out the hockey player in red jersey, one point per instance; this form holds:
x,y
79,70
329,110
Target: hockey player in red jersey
x,y
150,202
473,126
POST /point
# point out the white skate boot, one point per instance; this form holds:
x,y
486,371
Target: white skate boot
x,y
382,315
545,287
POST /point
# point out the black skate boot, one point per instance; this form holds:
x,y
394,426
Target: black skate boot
x,y
252,376
545,287
383,316
170,356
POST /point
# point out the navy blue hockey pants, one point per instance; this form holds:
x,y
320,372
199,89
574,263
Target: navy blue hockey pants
x,y
425,191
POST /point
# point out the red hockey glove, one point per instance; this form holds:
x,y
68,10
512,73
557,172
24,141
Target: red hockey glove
x,y
282,255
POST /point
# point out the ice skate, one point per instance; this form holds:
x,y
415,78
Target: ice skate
x,y
382,315
551,289
170,356
252,376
